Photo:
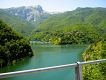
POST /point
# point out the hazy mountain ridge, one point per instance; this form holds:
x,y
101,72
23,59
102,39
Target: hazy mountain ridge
x,y
24,19
29,13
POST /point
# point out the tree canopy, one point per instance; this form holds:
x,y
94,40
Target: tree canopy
x,y
94,52
13,46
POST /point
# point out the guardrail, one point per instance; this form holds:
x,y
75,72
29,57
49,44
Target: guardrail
x,y
78,69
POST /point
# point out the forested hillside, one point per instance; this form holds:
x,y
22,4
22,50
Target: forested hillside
x,y
83,25
23,27
71,20
13,46
95,52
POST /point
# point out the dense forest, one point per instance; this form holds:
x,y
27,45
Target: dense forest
x,y
83,25
95,52
13,46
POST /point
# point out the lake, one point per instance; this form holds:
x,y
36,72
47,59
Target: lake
x,y
46,55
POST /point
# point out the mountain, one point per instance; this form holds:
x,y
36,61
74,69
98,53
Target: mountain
x,y
13,47
72,19
22,26
24,19
34,14
77,26
95,51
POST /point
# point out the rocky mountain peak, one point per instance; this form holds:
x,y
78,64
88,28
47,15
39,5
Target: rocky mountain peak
x,y
39,8
29,13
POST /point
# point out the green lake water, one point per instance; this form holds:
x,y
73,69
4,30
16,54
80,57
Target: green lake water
x,y
46,55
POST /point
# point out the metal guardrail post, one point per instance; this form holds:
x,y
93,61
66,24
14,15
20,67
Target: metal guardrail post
x,y
78,71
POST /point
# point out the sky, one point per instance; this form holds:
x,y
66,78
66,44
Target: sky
x,y
54,5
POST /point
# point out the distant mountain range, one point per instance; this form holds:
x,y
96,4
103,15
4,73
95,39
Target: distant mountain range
x,y
80,19
24,19
34,18
29,13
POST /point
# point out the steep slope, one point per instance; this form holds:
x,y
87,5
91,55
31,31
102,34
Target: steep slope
x,y
34,14
85,17
83,25
13,46
16,23
94,52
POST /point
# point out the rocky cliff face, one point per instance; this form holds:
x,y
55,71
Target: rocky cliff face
x,y
29,13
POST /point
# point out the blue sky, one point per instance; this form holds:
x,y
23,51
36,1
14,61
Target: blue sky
x,y
54,5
